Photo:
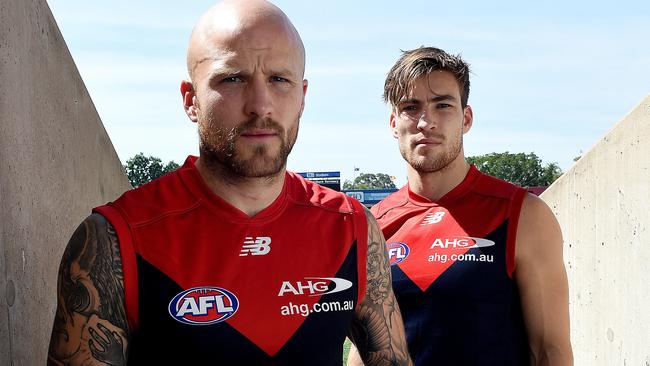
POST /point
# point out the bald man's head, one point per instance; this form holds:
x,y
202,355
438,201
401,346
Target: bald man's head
x,y
247,89
233,21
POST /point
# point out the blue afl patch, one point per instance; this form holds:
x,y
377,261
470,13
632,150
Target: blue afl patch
x,y
203,305
397,252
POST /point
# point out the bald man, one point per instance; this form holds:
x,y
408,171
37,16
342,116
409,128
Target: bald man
x,y
230,259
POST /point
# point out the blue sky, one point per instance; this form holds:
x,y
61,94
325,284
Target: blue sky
x,y
551,77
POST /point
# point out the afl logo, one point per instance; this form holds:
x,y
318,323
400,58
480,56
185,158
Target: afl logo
x,y
203,305
397,252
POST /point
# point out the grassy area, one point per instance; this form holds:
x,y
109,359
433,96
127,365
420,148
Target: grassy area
x,y
346,349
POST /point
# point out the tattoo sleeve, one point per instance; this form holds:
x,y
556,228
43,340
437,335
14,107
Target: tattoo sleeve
x,y
378,330
90,325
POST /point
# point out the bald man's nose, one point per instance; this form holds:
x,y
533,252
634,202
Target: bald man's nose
x,y
258,99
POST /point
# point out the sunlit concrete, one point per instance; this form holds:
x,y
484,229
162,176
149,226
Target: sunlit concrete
x,y
603,205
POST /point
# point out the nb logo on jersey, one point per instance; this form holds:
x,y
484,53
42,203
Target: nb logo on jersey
x,y
432,218
259,245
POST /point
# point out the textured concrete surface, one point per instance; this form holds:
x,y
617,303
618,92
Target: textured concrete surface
x,y
56,162
602,204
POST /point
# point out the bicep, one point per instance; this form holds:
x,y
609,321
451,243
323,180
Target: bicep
x,y
90,320
542,281
378,330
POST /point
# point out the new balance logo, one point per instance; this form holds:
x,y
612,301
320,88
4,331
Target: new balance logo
x,y
260,245
433,218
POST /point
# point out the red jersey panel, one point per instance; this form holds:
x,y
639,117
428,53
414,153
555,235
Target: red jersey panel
x,y
452,265
197,267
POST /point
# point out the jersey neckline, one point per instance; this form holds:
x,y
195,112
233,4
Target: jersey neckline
x,y
192,178
463,187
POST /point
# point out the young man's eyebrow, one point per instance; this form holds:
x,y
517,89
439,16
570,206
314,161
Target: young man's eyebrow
x,y
437,98
408,101
440,98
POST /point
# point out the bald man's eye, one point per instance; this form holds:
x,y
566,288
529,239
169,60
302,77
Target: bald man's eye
x,y
279,79
232,79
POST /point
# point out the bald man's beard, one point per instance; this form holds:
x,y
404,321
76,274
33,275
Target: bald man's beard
x,y
223,150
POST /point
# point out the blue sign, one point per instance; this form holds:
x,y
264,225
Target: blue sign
x,y
369,196
312,175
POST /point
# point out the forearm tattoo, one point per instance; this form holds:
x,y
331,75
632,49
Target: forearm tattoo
x,y
90,325
378,330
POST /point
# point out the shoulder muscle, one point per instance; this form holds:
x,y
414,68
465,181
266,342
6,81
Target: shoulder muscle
x,y
90,320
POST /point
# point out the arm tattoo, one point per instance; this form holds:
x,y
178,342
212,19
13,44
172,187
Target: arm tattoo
x,y
90,325
378,331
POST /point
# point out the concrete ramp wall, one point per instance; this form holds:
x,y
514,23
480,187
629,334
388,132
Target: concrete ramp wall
x,y
603,205
56,162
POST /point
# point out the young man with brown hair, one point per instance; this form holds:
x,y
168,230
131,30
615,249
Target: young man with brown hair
x,y
477,262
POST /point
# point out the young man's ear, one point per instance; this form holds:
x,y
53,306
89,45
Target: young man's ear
x,y
393,126
190,104
468,118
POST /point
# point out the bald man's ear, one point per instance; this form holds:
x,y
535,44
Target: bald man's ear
x,y
304,92
189,100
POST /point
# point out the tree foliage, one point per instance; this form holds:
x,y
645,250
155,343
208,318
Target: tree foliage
x,y
141,169
522,169
370,181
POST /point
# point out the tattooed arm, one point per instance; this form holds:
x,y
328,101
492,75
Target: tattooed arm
x,y
377,330
90,325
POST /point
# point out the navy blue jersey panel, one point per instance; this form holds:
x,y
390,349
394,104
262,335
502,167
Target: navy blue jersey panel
x,y
319,341
471,314
161,340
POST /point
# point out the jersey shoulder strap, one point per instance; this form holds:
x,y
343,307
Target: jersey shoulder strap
x,y
361,235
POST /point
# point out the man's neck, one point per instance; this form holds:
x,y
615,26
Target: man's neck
x,y
249,195
435,185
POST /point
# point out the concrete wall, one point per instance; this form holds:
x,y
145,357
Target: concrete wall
x,y
56,162
603,205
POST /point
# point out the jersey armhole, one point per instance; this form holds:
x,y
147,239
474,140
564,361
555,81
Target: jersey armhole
x,y
129,266
361,238
513,221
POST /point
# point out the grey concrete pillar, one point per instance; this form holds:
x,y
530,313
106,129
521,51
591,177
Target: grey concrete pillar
x,y
603,205
56,162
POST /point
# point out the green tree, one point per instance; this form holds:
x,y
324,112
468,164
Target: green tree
x,y
141,169
370,181
523,169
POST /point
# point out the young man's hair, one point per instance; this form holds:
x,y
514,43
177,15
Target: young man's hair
x,y
422,61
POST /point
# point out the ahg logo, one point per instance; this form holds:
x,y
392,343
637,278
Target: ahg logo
x,y
461,242
261,245
314,286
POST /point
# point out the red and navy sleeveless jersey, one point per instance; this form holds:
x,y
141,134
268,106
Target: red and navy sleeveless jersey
x,y
206,283
452,263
